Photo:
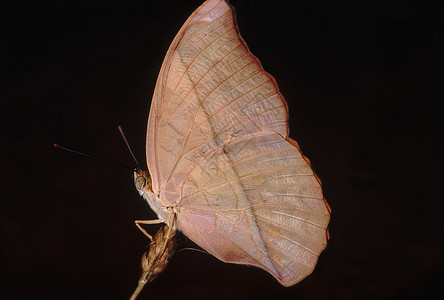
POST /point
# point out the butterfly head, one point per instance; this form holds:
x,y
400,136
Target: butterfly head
x,y
143,182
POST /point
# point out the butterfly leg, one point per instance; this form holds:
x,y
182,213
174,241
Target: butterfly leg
x,y
170,224
169,232
147,222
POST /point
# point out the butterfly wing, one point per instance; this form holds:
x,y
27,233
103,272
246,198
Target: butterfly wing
x,y
210,89
218,149
256,201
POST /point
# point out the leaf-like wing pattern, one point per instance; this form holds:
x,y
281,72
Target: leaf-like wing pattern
x,y
256,200
210,90
219,154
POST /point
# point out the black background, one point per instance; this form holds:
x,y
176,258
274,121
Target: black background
x,y
362,83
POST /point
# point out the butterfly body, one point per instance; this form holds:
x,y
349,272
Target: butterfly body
x,y
142,180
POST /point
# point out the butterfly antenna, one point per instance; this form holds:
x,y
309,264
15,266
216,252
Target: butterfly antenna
x,y
93,156
128,146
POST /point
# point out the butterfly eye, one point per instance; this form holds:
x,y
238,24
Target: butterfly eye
x,y
140,182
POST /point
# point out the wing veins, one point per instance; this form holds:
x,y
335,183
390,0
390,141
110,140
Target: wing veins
x,y
206,73
164,79
251,233
240,160
251,206
197,54
252,174
289,228
237,98
243,122
298,219
239,124
280,186
186,138
252,75
197,82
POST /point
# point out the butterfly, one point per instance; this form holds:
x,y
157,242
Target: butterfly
x,y
222,168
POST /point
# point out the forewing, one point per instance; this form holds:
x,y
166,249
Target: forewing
x,y
210,90
256,201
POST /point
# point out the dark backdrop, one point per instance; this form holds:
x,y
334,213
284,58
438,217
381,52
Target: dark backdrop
x,y
362,84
